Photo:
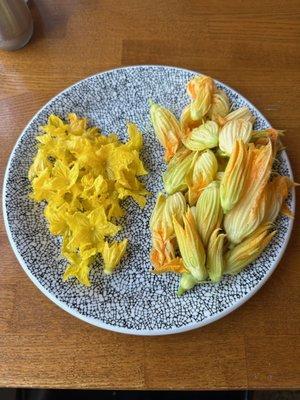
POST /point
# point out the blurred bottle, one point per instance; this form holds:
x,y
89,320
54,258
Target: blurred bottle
x,y
16,25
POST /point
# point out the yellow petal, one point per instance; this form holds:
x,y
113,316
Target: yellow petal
x,y
56,217
209,211
112,255
215,259
248,250
135,137
80,271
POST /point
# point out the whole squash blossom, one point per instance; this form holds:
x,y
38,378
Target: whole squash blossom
x,y
222,193
83,175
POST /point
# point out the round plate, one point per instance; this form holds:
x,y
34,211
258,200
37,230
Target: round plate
x,y
132,300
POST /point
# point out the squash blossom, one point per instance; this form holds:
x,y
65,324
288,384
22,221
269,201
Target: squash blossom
x,y
215,258
274,196
167,129
190,246
162,230
209,212
186,122
219,106
231,132
232,182
241,113
202,172
248,250
175,176
206,136
261,138
247,215
201,90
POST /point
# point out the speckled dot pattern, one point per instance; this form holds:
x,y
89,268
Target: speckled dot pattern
x,y
132,300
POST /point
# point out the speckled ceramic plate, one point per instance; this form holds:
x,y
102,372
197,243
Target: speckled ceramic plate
x,y
132,300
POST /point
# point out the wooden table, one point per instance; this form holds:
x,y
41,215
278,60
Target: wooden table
x,y
253,46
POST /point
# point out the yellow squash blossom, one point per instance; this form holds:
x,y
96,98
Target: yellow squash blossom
x,y
261,138
162,230
219,106
201,90
175,176
209,212
232,182
241,113
248,250
203,171
247,215
187,124
215,257
112,255
231,132
165,208
274,196
190,246
167,129
206,136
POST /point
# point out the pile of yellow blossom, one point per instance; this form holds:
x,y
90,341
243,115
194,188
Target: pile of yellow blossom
x,y
83,175
222,196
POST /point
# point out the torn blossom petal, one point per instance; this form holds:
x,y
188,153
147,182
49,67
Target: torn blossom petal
x,y
112,255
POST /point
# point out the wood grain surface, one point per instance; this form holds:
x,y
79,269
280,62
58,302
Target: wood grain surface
x,y
254,46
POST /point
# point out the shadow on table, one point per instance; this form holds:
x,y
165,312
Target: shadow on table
x,y
53,394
